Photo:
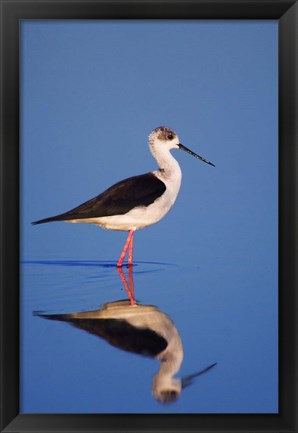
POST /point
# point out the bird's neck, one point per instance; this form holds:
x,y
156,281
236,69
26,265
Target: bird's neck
x,y
171,358
168,166
170,365
164,379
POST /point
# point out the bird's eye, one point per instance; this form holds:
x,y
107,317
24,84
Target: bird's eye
x,y
170,137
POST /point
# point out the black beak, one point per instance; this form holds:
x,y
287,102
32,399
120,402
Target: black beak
x,y
188,380
194,154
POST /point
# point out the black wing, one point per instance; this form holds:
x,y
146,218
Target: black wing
x,y
118,333
119,199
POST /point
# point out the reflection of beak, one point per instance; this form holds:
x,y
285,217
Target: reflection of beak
x,y
188,380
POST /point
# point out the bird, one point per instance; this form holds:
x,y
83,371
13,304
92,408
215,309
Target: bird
x,y
140,329
138,201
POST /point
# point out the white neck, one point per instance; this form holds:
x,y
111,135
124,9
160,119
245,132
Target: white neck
x,y
170,365
164,379
168,166
171,359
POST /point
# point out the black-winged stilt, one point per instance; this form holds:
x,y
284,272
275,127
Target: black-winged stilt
x,y
139,329
138,201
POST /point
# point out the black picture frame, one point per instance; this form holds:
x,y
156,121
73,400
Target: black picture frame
x,y
286,12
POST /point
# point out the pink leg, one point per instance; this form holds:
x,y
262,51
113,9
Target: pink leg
x,y
128,287
130,251
131,283
120,261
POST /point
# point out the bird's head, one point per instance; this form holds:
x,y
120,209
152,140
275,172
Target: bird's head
x,y
163,139
166,389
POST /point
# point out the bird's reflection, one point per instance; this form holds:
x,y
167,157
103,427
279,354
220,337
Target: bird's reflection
x,y
140,329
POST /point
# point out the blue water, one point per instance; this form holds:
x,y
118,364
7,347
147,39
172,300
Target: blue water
x,y
231,321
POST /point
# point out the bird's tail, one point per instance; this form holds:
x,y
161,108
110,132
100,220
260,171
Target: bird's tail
x,y
48,220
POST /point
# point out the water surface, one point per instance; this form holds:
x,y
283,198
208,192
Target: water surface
x,y
67,370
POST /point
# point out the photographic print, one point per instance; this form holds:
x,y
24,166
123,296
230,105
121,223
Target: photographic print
x,y
149,169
